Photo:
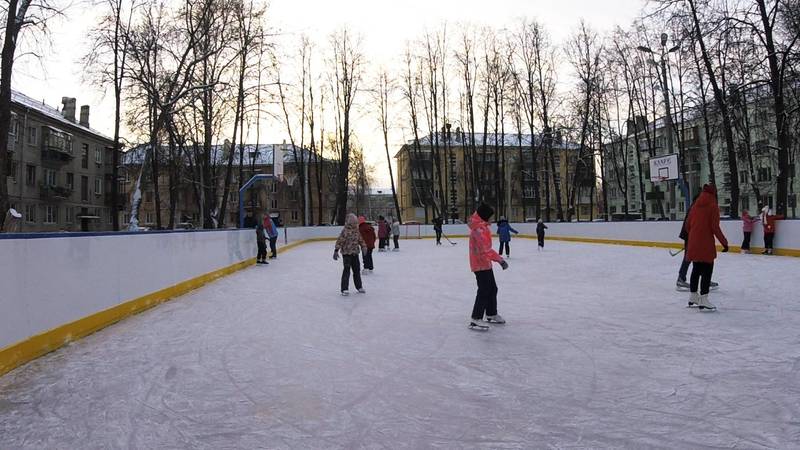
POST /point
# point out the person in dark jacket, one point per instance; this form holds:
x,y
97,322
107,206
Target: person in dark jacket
x,y
261,241
437,228
383,234
702,226
368,234
504,230
272,234
540,227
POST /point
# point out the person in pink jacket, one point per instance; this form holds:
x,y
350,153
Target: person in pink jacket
x,y
748,222
481,256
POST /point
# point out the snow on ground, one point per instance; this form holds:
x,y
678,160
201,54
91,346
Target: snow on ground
x,y
599,351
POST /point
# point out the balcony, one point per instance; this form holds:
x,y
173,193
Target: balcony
x,y
58,193
56,146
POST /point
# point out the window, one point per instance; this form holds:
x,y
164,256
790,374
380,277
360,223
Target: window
x,y
528,192
15,129
30,175
148,217
30,213
98,186
69,214
766,200
70,181
274,187
295,215
50,214
98,155
681,206
148,197
613,209
745,202
126,218
654,208
32,135
726,178
109,216
49,177
273,204
743,178
765,174
12,171
84,188
85,156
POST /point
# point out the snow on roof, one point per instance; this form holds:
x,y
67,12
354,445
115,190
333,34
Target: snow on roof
x,y
262,154
507,140
53,113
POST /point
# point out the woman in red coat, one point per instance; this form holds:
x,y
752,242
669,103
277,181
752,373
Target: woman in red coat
x,y
368,234
702,226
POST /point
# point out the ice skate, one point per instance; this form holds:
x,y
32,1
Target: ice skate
x,y
681,285
714,285
345,293
694,297
496,319
477,325
362,291
395,249
703,303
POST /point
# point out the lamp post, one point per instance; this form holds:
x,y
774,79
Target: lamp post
x,y
664,82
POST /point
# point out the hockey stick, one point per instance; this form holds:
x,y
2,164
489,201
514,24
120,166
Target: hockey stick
x,y
448,239
676,253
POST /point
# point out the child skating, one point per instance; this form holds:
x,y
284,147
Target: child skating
x,y
504,230
702,226
396,235
748,222
768,222
368,234
481,256
350,243
540,227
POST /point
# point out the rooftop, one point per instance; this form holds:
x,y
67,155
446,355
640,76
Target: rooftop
x,y
52,113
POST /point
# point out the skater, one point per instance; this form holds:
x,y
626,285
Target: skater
x,y
261,241
540,227
396,235
437,227
272,234
351,244
383,234
748,222
481,255
768,222
702,226
504,230
368,234
681,284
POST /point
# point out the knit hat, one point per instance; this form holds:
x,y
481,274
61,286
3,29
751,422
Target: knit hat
x,y
485,212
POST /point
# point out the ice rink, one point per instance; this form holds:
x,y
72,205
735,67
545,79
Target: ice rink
x,y
599,351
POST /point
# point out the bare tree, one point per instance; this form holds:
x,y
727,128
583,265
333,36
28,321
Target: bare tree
x,y
384,90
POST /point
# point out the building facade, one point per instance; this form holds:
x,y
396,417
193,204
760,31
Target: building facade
x,y
281,198
501,176
700,149
60,168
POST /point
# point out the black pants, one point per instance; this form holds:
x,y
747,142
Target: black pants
x,y
746,241
486,298
701,274
438,237
684,268
262,251
273,247
351,262
396,241
368,259
383,243
768,239
541,239
504,244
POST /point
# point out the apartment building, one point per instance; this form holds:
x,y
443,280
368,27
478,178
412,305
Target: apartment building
x,y
503,175
60,168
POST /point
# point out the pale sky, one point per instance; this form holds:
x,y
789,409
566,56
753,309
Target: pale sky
x,y
385,26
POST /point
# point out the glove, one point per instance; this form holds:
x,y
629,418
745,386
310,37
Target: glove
x,y
504,264
725,249
336,255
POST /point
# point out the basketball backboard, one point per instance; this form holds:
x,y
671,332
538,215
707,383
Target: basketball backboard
x,y
664,168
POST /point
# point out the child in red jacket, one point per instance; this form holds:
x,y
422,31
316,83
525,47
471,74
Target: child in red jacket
x,y
481,256
368,234
768,222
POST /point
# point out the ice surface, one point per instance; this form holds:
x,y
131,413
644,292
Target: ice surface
x,y
599,351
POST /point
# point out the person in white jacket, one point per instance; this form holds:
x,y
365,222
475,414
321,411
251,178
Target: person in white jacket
x,y
396,235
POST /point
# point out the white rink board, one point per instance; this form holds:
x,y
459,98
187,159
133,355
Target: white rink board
x,y
787,237
49,282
